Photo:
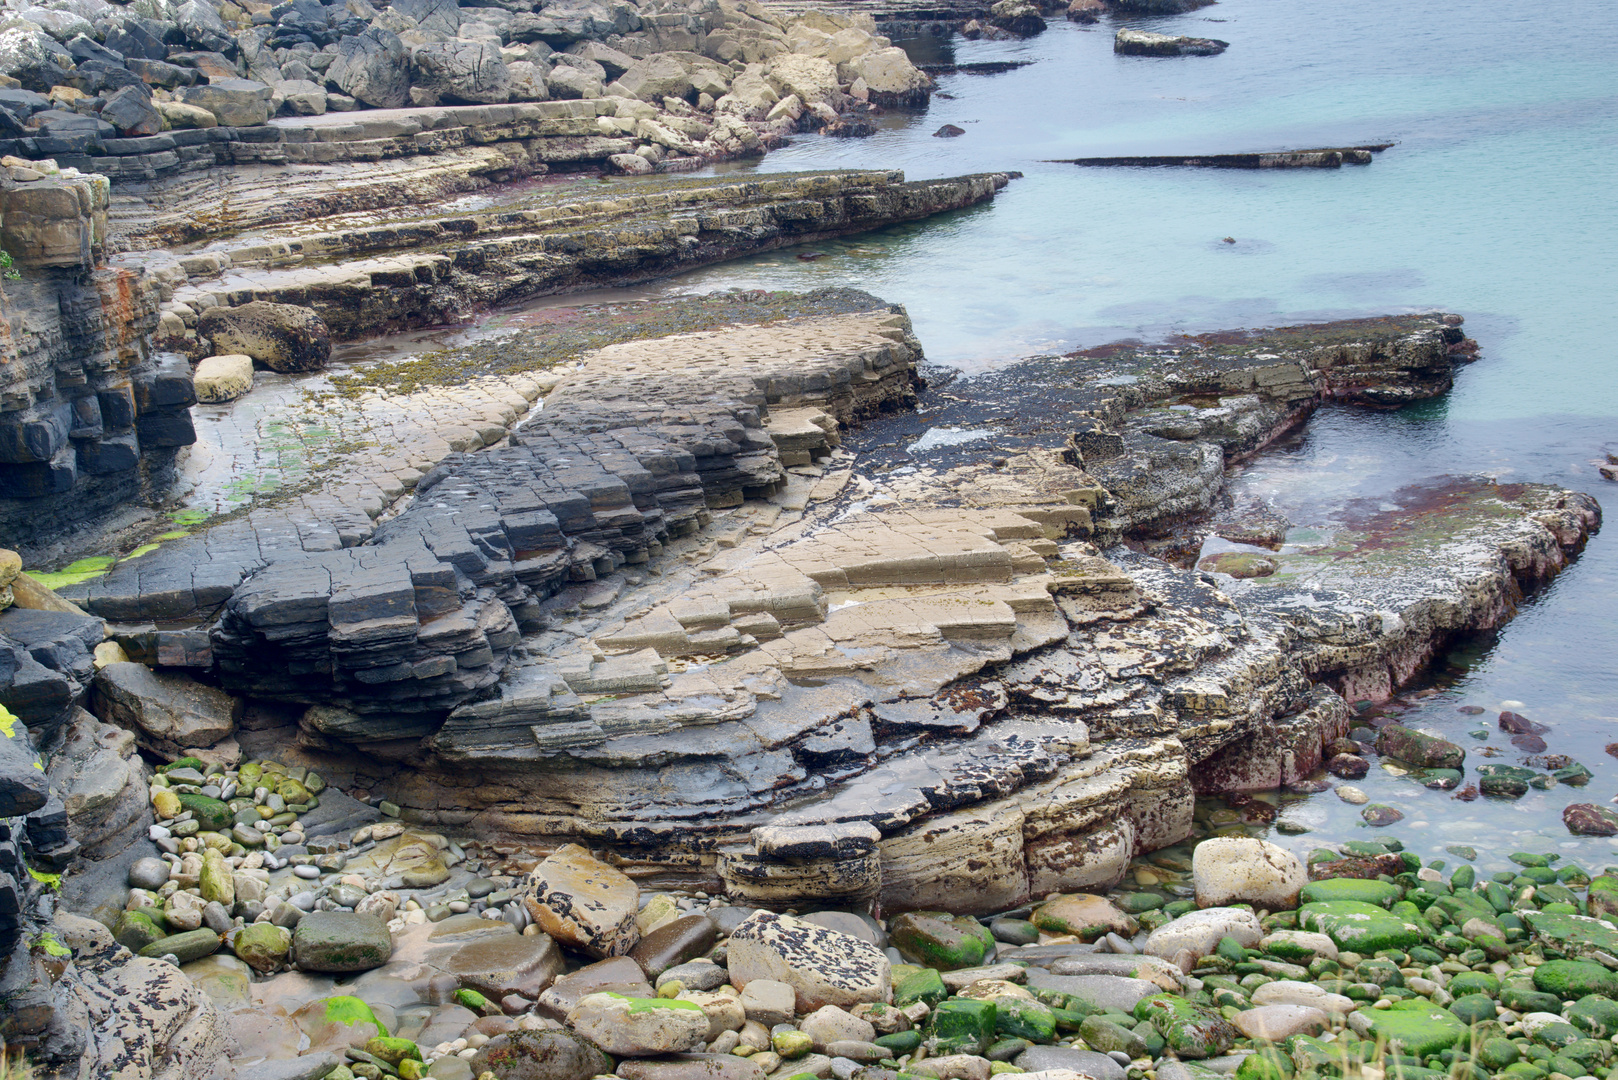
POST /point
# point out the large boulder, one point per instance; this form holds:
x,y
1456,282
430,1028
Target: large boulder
x,y
1018,17
168,713
893,80
656,77
1419,748
282,337
102,781
583,902
1240,870
540,1055
639,1027
527,81
1130,42
750,97
612,61
131,111
203,27
33,58
233,102
301,97
563,22
462,72
23,788
812,79
340,941
180,115
372,68
566,83
822,966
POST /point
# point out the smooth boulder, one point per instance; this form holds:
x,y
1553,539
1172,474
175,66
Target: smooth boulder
x,y
340,941
1239,870
233,102
224,378
282,337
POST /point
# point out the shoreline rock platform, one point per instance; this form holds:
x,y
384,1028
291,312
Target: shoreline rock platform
x,y
704,688
693,614
697,634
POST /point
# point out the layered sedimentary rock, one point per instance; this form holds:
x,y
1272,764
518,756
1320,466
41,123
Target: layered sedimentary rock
x,y
90,417
424,614
314,238
679,619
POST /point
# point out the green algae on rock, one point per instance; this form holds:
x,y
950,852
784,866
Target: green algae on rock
x,y
940,940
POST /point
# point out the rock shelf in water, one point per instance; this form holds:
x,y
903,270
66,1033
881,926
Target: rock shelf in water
x,y
1328,158
676,611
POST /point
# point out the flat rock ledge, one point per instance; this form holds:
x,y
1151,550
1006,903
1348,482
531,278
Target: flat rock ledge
x,y
677,618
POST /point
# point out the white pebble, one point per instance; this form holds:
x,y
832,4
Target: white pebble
x,y
308,873
157,832
467,1054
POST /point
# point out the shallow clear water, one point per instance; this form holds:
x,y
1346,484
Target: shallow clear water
x,y
1495,203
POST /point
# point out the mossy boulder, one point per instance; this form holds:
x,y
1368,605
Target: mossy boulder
x,y
1572,979
1018,1018
961,1026
1473,1008
1419,749
1189,1030
263,946
924,985
940,940
212,814
216,883
1573,935
1363,928
1362,890
1497,1053
135,930
340,941
189,946
1084,916
1418,1028
1524,999
392,1049
1594,1015
1603,897
1474,982
1102,1034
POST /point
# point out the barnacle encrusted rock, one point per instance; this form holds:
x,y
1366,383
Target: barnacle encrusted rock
x,y
822,966
583,902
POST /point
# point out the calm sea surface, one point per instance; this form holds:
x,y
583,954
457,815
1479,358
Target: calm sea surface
x,y
1497,202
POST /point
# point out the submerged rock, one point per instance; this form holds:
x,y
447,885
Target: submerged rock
x,y
339,941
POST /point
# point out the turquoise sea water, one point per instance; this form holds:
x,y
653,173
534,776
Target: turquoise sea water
x,y
1496,203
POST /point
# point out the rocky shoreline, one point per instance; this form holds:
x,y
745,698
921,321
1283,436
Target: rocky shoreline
x,y
706,687
733,645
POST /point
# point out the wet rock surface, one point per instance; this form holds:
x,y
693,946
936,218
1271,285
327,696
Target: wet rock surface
x,y
631,596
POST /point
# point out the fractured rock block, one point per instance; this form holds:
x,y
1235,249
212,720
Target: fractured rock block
x,y
583,902
167,713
